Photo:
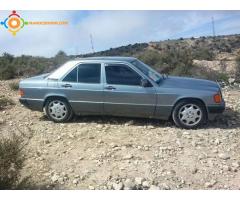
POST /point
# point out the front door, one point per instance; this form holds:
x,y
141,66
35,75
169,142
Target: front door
x,y
124,95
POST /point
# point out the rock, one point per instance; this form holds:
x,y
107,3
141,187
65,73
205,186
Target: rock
x,y
129,184
54,178
217,142
194,170
91,187
210,184
224,156
128,156
236,164
146,184
231,80
100,141
75,181
117,186
226,168
139,180
186,133
154,187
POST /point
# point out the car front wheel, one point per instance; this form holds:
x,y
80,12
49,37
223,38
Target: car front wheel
x,y
189,114
58,110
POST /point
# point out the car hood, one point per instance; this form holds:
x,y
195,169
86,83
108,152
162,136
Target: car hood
x,y
188,83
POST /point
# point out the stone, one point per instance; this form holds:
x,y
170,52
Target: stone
x,y
224,156
117,186
91,187
194,170
75,181
154,187
210,184
54,178
146,184
129,184
231,80
128,156
186,133
236,164
139,180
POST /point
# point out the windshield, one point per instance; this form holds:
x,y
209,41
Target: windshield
x,y
148,71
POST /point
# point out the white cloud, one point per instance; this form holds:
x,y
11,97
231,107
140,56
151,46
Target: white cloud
x,y
109,29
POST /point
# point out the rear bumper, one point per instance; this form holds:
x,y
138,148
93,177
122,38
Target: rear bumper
x,y
33,104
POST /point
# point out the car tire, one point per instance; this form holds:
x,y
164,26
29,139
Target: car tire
x,y
189,114
58,110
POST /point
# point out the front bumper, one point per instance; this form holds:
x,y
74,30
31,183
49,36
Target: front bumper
x,y
33,104
215,109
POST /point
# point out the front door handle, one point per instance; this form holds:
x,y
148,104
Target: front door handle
x,y
67,85
110,88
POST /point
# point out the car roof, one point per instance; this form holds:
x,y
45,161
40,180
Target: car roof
x,y
68,66
109,58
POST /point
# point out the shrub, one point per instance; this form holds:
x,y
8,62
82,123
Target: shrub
x,y
14,86
5,101
11,160
237,74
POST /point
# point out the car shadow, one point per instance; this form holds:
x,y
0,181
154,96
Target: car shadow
x,y
228,120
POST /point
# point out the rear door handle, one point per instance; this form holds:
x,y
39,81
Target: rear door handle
x,y
67,85
110,88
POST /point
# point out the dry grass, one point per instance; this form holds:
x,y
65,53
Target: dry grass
x,y
14,86
5,101
11,161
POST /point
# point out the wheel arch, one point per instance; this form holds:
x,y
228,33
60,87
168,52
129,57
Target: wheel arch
x,y
54,96
196,99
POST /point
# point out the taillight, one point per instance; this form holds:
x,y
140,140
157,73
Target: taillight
x,y
21,92
217,98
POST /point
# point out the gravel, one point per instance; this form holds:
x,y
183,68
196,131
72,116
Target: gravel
x,y
126,153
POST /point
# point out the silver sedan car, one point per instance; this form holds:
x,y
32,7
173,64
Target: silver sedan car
x,y
121,86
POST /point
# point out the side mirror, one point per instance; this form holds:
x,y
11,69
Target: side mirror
x,y
145,83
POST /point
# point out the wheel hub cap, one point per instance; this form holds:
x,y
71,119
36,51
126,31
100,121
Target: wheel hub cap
x,y
57,109
190,114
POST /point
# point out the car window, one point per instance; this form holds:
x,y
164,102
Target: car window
x,y
121,75
72,76
89,73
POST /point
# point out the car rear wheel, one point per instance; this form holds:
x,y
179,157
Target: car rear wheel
x,y
189,114
58,110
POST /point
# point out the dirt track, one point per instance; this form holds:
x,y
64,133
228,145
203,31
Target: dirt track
x,y
117,153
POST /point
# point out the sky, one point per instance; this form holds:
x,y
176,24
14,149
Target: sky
x,y
110,29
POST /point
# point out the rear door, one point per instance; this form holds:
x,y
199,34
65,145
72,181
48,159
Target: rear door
x,y
84,88
123,94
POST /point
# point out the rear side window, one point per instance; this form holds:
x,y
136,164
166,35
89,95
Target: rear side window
x,y
72,76
89,73
85,73
121,75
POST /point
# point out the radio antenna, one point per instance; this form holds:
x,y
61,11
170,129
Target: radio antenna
x,y
91,40
213,27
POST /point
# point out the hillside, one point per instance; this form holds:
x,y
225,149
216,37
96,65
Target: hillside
x,y
216,58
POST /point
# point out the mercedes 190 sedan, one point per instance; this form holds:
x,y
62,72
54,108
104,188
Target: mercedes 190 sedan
x,y
121,86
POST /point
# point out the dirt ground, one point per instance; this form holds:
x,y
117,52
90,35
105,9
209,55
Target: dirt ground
x,y
126,153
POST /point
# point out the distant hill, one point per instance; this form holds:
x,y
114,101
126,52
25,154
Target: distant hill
x,y
216,58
